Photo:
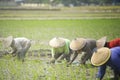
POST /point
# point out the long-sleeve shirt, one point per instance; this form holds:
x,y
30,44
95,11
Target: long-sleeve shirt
x,y
87,49
65,49
21,45
113,62
113,43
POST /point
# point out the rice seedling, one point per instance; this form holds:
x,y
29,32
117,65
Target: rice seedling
x,y
40,32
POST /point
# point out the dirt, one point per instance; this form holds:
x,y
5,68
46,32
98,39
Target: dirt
x,y
34,53
40,53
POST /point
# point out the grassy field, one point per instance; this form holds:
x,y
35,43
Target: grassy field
x,y
41,26
41,31
82,12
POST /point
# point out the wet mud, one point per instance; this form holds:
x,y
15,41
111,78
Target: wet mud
x,y
33,53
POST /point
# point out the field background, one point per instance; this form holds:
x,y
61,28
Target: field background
x,y
41,26
41,31
82,12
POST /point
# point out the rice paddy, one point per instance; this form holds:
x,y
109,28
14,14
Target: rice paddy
x,y
40,32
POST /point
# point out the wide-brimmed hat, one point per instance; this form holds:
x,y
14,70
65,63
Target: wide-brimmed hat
x,y
6,42
77,44
101,42
57,42
101,56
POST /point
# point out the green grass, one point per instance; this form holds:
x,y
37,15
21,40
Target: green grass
x,y
39,70
41,31
45,29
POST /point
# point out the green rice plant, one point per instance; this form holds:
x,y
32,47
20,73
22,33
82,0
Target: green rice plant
x,y
37,70
40,32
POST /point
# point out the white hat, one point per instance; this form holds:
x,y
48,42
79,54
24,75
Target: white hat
x,y
101,56
57,42
77,44
7,41
101,42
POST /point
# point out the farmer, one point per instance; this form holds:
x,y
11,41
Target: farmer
x,y
19,46
60,49
110,44
104,57
80,45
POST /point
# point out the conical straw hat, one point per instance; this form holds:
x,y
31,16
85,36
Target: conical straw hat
x,y
1,39
77,44
101,42
7,41
101,56
57,42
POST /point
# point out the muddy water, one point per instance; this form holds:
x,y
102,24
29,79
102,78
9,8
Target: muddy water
x,y
53,71
33,53
41,54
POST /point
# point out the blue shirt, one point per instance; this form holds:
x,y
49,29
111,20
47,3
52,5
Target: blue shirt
x,y
113,62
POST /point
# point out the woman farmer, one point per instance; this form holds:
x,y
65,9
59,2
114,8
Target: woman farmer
x,y
104,57
60,49
110,44
19,46
80,45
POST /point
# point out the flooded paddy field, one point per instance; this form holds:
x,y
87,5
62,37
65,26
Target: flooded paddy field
x,y
36,65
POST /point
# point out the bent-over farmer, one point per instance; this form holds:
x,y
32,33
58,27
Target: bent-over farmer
x,y
18,45
60,49
104,57
102,42
80,45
